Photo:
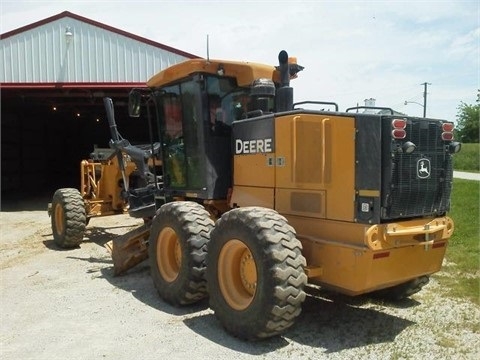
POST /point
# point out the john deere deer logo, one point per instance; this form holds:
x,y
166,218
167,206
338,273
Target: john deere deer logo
x,y
423,168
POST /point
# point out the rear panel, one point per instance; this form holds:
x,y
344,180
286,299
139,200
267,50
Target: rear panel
x,y
368,167
314,165
392,184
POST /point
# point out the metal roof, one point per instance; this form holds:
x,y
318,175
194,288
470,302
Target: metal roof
x,y
68,50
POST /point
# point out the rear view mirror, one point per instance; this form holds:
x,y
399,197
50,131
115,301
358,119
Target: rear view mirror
x,y
134,101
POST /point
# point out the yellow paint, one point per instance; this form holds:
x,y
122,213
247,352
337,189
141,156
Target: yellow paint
x,y
319,153
301,202
244,72
252,196
254,170
345,251
100,186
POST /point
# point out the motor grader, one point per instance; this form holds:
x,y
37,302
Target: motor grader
x,y
262,196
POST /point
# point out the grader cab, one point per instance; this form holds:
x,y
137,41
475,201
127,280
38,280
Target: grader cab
x,y
262,196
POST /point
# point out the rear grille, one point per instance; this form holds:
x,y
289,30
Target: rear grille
x,y
420,181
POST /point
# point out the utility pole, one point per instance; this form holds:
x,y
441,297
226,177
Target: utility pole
x,y
425,98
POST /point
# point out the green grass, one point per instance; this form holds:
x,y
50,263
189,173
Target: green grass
x,y
468,159
461,276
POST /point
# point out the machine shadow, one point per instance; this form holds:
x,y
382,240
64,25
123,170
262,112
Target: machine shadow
x,y
98,235
329,321
207,326
337,322
102,235
137,281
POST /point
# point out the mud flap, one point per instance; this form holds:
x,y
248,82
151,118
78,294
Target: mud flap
x,y
129,249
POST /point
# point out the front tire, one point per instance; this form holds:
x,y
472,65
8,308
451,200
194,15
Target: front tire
x,y
255,273
177,252
68,217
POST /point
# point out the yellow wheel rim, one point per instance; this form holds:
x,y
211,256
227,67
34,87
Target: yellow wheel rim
x,y
169,254
59,219
237,274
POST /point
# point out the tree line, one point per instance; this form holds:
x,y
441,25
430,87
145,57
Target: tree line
x,y
468,121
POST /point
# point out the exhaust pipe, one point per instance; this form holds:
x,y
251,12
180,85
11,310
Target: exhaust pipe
x,y
284,95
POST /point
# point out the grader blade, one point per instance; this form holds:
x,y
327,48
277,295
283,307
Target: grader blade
x,y
129,249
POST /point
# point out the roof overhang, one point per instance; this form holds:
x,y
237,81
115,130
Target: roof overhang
x,y
126,85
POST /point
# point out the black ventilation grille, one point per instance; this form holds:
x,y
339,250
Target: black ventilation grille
x,y
420,181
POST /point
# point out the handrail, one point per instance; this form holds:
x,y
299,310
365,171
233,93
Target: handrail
x,y
317,103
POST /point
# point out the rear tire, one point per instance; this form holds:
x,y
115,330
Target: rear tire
x,y
177,252
68,217
255,273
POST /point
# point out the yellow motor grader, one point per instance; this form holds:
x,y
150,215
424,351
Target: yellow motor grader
x,y
262,196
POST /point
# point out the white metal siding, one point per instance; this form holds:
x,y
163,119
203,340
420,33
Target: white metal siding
x,y
93,55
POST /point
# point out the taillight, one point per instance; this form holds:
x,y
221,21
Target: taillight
x,y
447,136
399,134
399,123
398,126
447,131
448,127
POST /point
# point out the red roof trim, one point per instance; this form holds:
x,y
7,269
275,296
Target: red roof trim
x,y
97,24
119,85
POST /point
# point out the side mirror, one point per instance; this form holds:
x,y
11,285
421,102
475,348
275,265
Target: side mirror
x,y
134,101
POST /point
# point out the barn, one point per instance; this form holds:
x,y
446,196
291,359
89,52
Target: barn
x,y
54,76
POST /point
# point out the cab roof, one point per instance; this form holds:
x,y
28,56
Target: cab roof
x,y
244,72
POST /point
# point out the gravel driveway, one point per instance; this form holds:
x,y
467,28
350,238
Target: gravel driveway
x,y
58,304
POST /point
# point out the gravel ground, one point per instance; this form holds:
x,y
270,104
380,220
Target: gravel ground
x,y
58,304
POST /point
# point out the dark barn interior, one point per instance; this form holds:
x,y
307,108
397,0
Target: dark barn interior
x,y
46,133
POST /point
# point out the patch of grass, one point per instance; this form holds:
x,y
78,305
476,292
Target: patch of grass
x,y
468,159
461,287
445,342
463,250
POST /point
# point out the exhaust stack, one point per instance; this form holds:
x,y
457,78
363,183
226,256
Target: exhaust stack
x,y
284,96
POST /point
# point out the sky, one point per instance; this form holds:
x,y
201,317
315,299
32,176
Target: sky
x,y
351,50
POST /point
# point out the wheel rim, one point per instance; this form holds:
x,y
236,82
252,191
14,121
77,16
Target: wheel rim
x,y
59,219
169,254
237,274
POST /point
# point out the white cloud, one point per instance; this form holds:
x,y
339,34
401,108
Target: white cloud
x,y
466,45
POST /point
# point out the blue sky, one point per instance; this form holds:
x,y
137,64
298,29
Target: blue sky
x,y
351,50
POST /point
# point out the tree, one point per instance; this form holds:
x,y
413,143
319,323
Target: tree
x,y
468,121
